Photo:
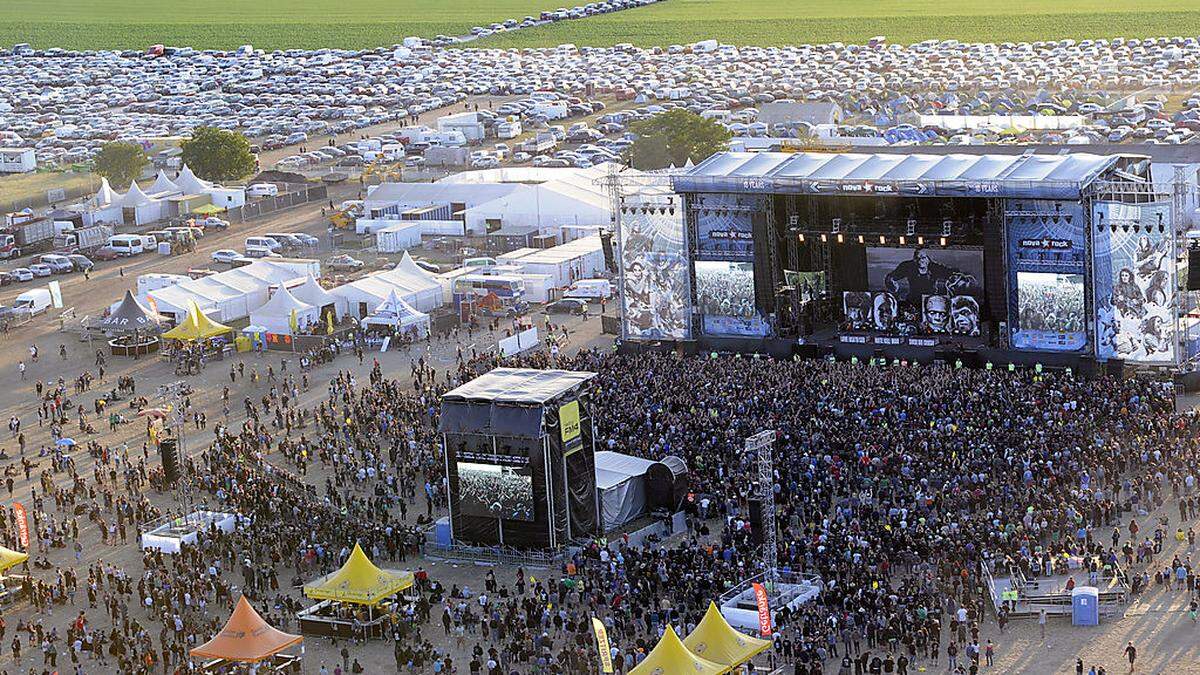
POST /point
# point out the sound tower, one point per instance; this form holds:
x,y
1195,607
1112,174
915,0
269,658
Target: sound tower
x,y
610,261
169,450
756,522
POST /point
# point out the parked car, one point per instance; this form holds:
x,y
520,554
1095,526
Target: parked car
x,y
41,270
344,263
58,264
567,306
307,239
6,278
226,256
105,253
22,274
213,222
81,262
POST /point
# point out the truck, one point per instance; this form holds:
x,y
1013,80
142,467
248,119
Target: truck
x,y
20,235
539,144
83,240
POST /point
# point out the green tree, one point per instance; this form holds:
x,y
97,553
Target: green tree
x,y
218,155
674,137
121,163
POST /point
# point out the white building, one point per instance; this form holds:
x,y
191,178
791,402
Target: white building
x,y
17,160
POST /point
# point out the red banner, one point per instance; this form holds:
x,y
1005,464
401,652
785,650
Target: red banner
x,y
22,525
764,611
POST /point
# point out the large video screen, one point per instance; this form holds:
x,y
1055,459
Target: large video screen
x,y
1050,311
725,225
933,315
725,294
494,490
654,274
910,274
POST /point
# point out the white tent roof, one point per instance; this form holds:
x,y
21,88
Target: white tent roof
x,y
396,312
135,197
283,302
162,184
614,468
105,195
311,292
276,315
189,183
409,267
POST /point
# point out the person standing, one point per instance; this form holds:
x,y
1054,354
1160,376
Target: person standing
x,y
1042,622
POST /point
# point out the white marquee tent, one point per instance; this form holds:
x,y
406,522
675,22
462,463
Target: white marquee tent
x,y
620,487
311,292
397,313
410,283
227,296
281,311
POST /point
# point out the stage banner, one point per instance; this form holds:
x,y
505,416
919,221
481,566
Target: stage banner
x,y
1047,254
725,296
568,417
910,274
655,280
602,646
764,610
1134,272
725,225
22,525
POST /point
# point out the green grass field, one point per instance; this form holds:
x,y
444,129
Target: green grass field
x,y
280,24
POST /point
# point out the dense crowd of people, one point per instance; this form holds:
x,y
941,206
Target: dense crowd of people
x,y
896,486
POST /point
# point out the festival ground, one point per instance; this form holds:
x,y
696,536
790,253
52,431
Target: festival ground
x,y
1156,621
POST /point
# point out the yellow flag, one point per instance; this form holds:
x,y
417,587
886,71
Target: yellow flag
x,y
329,323
293,322
602,645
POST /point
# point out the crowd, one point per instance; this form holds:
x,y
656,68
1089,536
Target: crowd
x,y
895,485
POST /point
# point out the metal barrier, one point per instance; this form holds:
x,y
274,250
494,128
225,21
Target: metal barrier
x,y
500,555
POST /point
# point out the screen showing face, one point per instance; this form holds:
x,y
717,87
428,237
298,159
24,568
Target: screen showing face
x,y
495,491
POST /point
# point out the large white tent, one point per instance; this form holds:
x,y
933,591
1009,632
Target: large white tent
x,y
231,295
620,487
282,312
190,184
410,283
311,292
396,313
163,186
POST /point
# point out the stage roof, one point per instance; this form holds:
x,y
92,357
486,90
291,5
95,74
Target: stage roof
x,y
955,175
518,386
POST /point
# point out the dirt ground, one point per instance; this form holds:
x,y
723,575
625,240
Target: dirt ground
x,y
1156,621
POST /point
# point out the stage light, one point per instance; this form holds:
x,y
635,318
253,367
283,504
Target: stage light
x,y
841,239
920,241
901,241
861,239
801,236
942,241
824,239
882,239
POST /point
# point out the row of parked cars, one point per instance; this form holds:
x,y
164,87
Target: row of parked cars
x,y
47,265
547,16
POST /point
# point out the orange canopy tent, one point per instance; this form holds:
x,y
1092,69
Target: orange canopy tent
x,y
246,638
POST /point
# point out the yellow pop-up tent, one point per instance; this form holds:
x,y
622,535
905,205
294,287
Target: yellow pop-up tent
x,y
715,640
10,559
207,209
196,326
359,581
670,656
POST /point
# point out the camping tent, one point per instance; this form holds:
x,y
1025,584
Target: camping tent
x,y
620,487
311,292
10,559
399,314
131,316
246,638
670,656
284,314
196,326
717,641
359,581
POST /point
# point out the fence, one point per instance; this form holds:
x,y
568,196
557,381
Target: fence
x,y
297,195
51,197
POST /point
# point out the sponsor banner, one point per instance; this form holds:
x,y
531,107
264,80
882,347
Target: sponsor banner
x,y
56,299
764,610
602,645
725,298
655,279
22,525
1134,273
568,417
732,184
1047,252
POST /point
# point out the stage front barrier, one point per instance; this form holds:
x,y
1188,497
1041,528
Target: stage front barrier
x,y
740,607
171,535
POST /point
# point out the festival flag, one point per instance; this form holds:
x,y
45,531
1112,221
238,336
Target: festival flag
x,y
329,323
764,611
22,525
293,322
602,645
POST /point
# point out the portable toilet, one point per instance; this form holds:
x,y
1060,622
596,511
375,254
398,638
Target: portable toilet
x,y
1085,606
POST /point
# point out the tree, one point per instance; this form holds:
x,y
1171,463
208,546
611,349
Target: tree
x,y
674,137
218,155
121,163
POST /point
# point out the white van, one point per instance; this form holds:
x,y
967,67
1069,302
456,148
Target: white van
x,y
482,261
35,302
592,289
262,190
126,244
264,242
149,242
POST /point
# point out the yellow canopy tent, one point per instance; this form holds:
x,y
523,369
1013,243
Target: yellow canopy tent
x,y
359,581
196,326
208,209
10,559
670,656
715,640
